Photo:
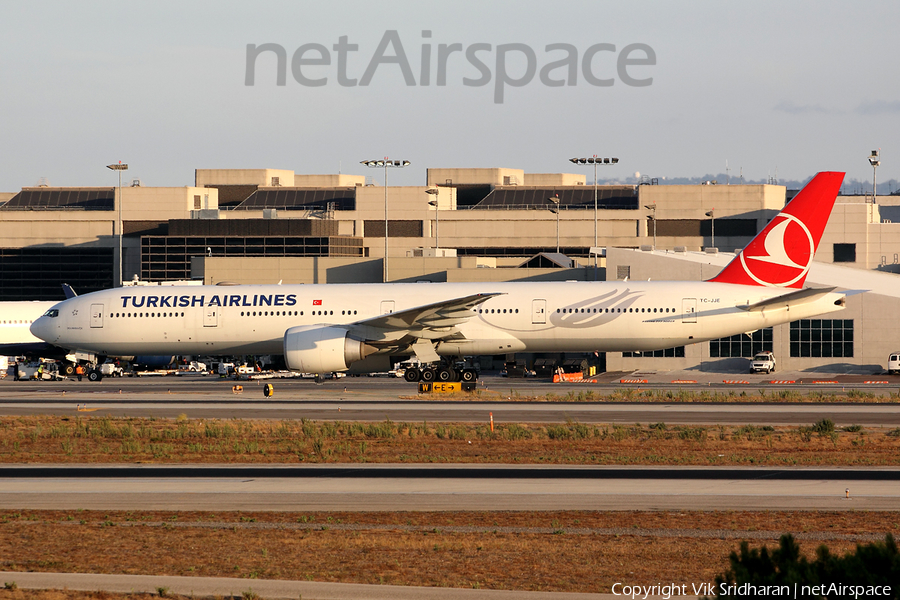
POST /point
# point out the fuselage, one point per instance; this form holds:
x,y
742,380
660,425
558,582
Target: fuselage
x,y
524,317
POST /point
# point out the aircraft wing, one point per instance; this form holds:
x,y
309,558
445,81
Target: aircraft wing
x,y
790,299
437,316
419,327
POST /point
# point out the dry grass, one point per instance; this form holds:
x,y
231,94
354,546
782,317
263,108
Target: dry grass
x,y
561,551
49,439
743,393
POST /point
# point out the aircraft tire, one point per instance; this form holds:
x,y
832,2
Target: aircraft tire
x,y
412,375
468,375
428,375
94,376
445,374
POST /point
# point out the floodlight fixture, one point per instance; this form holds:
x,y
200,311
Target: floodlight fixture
x,y
594,160
434,192
652,207
712,215
875,161
119,166
554,208
384,164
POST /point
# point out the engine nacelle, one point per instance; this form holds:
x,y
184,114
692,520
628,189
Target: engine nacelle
x,y
322,349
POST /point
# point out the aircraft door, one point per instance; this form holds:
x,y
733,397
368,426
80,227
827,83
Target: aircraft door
x,y
538,312
689,310
211,316
96,315
387,307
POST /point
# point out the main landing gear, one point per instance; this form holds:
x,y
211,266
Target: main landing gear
x,y
429,373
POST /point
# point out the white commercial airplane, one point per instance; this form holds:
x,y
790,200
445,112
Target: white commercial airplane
x,y
16,338
360,327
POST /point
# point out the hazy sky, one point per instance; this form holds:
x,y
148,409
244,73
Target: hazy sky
x,y
797,86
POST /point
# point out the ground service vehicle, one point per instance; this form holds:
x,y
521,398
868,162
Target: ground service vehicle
x,y
763,361
894,363
109,369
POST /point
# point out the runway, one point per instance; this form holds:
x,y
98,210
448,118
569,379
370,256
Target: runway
x,y
435,411
444,488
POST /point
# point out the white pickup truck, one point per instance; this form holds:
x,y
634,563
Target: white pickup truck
x,y
763,361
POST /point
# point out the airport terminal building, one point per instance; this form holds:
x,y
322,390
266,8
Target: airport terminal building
x,y
490,224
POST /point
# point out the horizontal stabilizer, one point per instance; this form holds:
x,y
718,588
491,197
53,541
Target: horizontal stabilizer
x,y
848,293
803,296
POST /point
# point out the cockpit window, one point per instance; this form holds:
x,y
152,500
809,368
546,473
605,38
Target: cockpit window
x,y
52,313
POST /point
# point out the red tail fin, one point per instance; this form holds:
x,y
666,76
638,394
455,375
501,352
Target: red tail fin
x,y
781,254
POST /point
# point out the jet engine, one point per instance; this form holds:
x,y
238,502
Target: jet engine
x,y
322,349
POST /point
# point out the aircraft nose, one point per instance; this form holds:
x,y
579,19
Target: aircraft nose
x,y
43,328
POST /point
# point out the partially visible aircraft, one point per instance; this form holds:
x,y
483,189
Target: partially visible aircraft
x,y
365,327
16,338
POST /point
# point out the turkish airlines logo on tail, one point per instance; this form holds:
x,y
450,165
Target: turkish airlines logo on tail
x,y
783,255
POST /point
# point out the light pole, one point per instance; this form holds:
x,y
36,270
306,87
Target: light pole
x,y
712,215
594,160
119,167
554,208
652,207
874,161
434,192
379,164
